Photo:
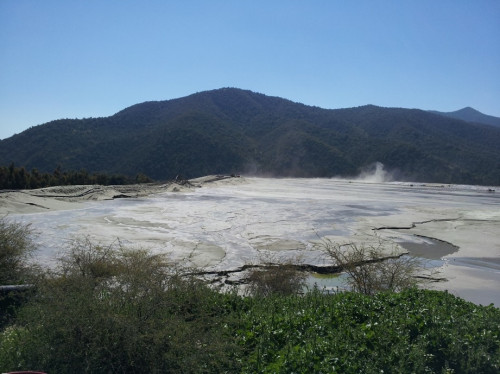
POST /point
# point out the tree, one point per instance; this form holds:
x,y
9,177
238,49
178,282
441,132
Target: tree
x,y
142,178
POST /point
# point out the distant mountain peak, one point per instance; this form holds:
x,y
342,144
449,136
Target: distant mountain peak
x,y
469,109
470,114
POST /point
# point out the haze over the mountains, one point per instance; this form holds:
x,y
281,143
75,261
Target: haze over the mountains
x,y
237,131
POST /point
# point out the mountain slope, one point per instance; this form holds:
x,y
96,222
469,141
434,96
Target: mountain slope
x,y
236,131
471,115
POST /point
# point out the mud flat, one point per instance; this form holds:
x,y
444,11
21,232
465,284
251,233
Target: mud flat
x,y
223,224
73,197
464,234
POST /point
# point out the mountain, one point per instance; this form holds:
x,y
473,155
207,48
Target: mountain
x,y
237,131
471,115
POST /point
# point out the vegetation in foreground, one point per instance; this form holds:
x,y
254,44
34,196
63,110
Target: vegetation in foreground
x,y
109,309
16,247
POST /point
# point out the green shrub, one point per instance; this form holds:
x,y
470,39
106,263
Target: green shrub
x,y
11,348
16,246
109,309
414,331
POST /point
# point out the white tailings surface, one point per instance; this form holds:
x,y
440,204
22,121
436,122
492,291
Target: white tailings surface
x,y
232,222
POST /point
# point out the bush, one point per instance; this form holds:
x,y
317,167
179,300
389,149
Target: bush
x,y
110,309
415,331
372,268
281,279
16,246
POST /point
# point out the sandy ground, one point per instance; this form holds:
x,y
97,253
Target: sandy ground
x,y
235,220
472,267
73,197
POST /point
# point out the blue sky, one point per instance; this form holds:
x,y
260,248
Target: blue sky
x,y
92,58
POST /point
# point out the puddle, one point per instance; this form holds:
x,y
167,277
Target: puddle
x,y
328,283
429,248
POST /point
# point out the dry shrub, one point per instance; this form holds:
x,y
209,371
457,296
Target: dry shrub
x,y
373,268
281,279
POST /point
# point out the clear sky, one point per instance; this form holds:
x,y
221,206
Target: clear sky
x,y
92,58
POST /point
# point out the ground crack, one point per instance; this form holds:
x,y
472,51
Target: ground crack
x,y
414,224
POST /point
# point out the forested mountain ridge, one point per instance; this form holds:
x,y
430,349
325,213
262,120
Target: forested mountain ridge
x,y
471,115
237,131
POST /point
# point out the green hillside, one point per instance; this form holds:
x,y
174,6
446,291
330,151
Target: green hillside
x,y
236,131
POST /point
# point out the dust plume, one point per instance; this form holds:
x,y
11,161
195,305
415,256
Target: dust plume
x,y
375,173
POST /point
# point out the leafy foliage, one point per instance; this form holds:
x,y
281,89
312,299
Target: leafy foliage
x,y
412,331
236,131
114,310
200,330
16,246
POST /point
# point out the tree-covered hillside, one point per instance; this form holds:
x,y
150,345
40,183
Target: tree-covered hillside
x,y
237,131
471,115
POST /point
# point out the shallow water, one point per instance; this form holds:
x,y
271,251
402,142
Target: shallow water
x,y
431,249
